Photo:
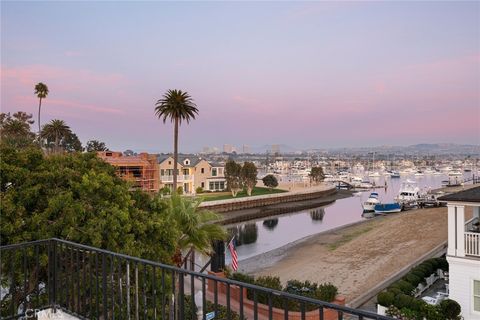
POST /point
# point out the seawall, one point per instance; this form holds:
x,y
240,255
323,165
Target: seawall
x,y
228,205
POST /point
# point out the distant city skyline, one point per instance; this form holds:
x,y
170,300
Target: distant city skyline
x,y
303,74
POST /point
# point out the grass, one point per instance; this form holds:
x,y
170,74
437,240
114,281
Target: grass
x,y
349,237
257,191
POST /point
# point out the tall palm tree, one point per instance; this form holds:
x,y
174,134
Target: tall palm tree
x,y
177,106
197,231
55,130
41,90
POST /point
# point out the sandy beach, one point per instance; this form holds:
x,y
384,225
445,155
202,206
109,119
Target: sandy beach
x,y
357,257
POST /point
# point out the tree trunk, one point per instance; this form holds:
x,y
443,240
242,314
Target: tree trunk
x,y
175,155
249,190
39,126
56,143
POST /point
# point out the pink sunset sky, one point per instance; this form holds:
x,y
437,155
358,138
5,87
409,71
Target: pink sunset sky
x,y
308,75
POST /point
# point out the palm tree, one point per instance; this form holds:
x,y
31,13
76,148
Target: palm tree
x,y
197,231
177,106
41,90
55,130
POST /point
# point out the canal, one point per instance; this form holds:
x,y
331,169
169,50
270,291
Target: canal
x,y
259,236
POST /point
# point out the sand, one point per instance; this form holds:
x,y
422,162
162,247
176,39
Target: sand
x,y
358,257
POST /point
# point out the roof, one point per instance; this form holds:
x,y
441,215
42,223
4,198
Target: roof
x,y
194,160
470,195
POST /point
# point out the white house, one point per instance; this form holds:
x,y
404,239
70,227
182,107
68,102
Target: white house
x,y
463,253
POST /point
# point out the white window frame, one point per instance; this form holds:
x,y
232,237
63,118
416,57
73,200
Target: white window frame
x,y
475,296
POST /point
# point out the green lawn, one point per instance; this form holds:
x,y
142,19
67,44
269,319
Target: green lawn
x,y
257,191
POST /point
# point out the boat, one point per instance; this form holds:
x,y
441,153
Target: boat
x,y
372,201
419,174
409,193
455,173
374,174
366,185
394,174
387,208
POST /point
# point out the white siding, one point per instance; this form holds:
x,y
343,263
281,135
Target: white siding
x,y
462,272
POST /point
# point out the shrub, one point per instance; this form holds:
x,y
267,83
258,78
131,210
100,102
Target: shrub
x,y
269,282
199,190
403,301
450,308
164,191
180,190
413,279
327,292
242,277
404,286
386,298
394,290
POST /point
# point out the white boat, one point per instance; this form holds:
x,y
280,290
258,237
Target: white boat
x,y
394,174
409,193
374,174
419,174
455,173
371,202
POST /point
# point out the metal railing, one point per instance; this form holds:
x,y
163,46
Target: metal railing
x,y
93,283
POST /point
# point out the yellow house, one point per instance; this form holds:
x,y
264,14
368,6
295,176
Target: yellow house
x,y
193,172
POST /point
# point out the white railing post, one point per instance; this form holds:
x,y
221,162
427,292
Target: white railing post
x,y
472,244
460,231
452,232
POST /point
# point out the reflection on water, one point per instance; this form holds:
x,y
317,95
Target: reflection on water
x,y
245,233
270,224
317,214
255,237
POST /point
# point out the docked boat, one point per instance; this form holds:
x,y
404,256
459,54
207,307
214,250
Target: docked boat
x,y
394,174
455,173
419,174
372,201
409,193
387,208
374,175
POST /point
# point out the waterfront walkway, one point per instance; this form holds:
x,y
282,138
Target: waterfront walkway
x,y
357,258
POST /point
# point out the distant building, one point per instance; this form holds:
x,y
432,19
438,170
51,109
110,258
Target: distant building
x,y
275,148
463,253
228,148
140,170
246,149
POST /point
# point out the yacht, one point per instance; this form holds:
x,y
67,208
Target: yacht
x,y
419,174
394,174
409,193
387,208
374,174
372,201
455,173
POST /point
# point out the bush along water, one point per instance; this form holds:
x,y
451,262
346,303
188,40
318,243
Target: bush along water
x,y
325,292
400,296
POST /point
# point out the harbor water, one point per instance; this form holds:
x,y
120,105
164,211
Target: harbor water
x,y
259,236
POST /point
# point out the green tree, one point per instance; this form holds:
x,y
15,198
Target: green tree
x,y
78,197
71,143
270,181
317,174
177,106
55,131
197,229
41,91
249,176
95,145
15,129
233,176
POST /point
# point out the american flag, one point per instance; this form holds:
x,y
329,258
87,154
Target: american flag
x,y
233,254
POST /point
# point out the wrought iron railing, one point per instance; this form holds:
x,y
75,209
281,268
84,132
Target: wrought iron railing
x,y
92,283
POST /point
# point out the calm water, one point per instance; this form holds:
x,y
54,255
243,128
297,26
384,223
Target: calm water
x,y
259,236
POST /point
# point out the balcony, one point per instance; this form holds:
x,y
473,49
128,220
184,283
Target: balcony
x,y
472,237
77,281
180,178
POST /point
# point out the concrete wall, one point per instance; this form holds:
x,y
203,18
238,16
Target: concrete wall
x,y
462,272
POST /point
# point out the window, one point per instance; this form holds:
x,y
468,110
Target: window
x,y
162,172
202,170
203,185
476,295
211,186
214,172
185,172
169,162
